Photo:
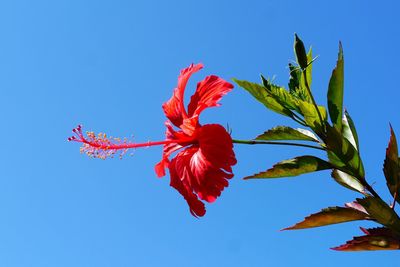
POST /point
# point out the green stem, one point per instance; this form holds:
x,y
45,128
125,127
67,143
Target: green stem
x,y
299,120
312,98
256,142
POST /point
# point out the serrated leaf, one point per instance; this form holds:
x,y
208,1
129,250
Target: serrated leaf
x,y
391,167
378,231
287,133
349,130
356,206
281,95
335,91
294,103
293,167
260,93
347,181
375,239
343,154
328,216
381,212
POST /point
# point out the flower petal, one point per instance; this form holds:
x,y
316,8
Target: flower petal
x,y
203,168
180,174
208,93
212,164
174,108
170,134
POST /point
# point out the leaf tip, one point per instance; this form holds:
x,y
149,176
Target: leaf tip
x,y
286,228
391,128
338,248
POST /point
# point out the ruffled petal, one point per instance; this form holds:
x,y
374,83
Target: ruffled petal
x,y
180,176
208,93
174,108
202,170
170,134
212,164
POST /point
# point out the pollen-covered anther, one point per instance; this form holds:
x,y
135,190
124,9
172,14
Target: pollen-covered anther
x,y
99,145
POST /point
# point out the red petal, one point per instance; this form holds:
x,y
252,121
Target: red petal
x,y
208,93
214,160
216,145
168,149
204,169
179,180
174,108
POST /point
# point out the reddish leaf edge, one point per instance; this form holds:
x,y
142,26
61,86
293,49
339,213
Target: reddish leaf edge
x,y
380,238
353,206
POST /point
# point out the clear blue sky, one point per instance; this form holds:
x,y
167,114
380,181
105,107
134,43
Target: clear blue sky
x,y
111,64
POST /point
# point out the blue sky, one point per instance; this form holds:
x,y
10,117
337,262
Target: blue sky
x,y
110,65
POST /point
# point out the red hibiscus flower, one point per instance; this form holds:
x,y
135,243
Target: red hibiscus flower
x,y
202,167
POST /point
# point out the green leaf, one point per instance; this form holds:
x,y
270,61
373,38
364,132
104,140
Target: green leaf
x,y
343,154
300,52
391,167
281,95
349,130
335,91
297,85
331,215
262,95
348,181
309,72
293,167
375,239
294,80
290,102
336,161
311,117
287,133
381,212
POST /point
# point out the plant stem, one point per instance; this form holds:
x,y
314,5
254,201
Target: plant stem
x,y
312,98
256,142
371,190
299,120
